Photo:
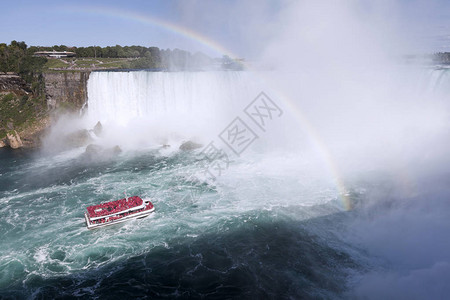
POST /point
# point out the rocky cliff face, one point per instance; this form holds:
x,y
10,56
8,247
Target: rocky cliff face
x,y
66,88
32,135
13,83
24,117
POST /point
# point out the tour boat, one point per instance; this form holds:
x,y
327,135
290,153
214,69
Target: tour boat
x,y
117,211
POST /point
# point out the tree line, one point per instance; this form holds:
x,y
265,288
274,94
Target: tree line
x,y
442,57
18,57
144,57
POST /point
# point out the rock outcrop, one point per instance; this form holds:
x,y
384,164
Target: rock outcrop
x,y
116,150
93,149
98,129
68,88
189,145
32,135
78,138
97,152
13,140
13,83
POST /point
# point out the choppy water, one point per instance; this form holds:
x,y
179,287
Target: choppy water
x,y
272,226
205,239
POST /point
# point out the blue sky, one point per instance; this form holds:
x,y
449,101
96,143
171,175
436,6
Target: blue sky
x,y
49,22
85,23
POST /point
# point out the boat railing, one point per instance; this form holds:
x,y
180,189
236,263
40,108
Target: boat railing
x,y
118,212
115,207
102,220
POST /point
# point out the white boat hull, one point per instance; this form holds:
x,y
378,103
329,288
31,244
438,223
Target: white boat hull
x,y
138,215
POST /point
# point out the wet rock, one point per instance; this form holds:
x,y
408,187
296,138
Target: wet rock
x,y
99,152
116,150
3,144
189,145
78,138
98,129
93,149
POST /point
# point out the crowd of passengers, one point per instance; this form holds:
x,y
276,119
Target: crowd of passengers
x,y
113,207
105,220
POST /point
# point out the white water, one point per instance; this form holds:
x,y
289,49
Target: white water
x,y
262,187
438,81
173,99
153,108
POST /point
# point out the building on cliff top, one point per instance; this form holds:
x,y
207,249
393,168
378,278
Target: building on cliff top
x,y
54,54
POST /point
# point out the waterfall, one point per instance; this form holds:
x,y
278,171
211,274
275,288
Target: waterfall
x,y
124,96
159,106
437,81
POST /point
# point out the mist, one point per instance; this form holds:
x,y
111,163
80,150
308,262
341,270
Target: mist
x,y
339,64
381,119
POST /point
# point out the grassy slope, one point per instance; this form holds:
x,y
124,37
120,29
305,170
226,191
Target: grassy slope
x,y
86,63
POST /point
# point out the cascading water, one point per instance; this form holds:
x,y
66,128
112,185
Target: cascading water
x,y
217,231
161,104
123,96
437,80
270,225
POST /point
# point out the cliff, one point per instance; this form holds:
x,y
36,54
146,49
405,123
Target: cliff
x,y
66,89
25,117
13,83
32,134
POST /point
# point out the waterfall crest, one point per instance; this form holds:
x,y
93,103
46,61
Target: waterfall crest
x,y
124,96
183,104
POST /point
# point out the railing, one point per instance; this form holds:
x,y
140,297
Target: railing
x,y
115,207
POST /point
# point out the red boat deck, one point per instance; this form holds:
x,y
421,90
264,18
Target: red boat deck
x,y
113,207
149,206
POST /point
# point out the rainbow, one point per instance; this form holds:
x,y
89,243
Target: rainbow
x,y
149,20
207,42
320,146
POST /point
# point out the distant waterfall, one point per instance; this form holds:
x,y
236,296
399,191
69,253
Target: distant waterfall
x,y
124,96
437,81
